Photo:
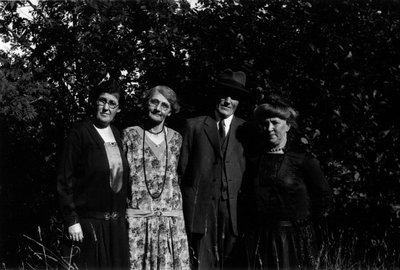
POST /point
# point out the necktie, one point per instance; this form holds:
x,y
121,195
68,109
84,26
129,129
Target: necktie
x,y
221,129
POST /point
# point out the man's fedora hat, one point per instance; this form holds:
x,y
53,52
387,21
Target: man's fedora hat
x,y
232,82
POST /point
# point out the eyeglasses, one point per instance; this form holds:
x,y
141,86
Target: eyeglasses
x,y
102,102
155,102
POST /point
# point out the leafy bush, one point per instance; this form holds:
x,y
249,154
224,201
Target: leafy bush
x,y
337,61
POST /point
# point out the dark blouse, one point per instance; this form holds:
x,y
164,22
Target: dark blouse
x,y
288,187
83,177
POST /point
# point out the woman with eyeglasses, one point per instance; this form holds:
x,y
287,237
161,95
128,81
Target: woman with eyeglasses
x,y
92,183
157,236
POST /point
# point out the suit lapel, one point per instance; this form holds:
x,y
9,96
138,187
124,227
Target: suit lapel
x,y
210,128
93,132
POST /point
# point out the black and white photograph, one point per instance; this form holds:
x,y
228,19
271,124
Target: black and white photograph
x,y
200,134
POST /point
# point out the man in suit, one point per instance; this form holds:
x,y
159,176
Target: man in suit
x,y
212,164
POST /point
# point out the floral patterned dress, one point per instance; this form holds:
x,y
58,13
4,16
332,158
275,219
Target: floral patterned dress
x,y
157,236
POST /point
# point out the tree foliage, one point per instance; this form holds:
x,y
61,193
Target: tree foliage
x,y
338,62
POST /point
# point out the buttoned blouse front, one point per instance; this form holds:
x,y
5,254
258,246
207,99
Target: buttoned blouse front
x,y
289,187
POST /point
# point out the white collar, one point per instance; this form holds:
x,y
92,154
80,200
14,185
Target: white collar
x,y
106,134
227,122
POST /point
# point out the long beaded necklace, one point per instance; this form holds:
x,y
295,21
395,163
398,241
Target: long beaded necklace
x,y
166,165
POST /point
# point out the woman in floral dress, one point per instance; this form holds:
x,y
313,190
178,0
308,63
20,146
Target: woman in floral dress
x,y
157,236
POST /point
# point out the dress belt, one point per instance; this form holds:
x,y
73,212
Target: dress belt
x,y
101,215
135,213
296,223
284,223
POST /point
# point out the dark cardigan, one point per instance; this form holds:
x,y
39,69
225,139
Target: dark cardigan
x,y
83,177
289,187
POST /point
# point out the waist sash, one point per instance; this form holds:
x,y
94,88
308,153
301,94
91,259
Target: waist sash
x,y
139,213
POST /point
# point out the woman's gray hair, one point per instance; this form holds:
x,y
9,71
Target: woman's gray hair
x,y
168,93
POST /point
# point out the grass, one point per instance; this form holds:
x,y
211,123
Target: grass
x,y
344,250
36,255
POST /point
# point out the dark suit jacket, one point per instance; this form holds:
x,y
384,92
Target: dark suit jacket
x,y
200,169
83,177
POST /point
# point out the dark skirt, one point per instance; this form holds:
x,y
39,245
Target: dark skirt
x,y
282,246
104,246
